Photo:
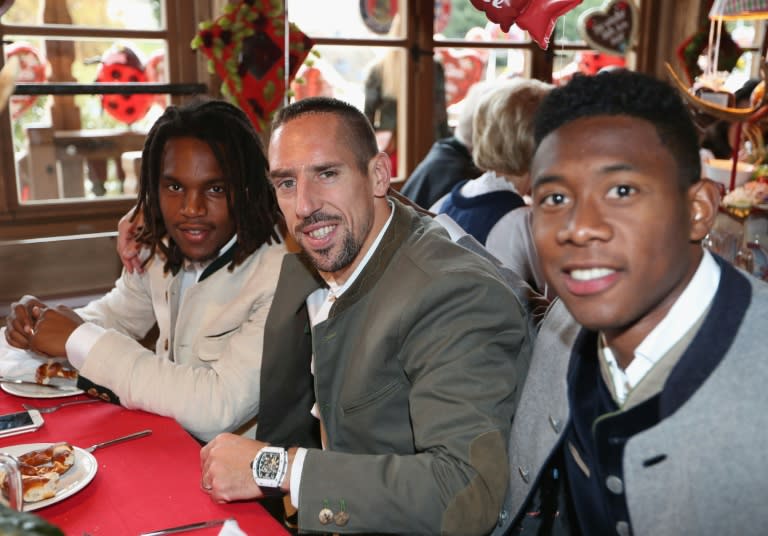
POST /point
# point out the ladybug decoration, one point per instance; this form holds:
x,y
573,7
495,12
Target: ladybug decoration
x,y
32,68
120,64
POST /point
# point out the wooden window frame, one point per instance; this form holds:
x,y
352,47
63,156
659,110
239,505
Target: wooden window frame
x,y
56,217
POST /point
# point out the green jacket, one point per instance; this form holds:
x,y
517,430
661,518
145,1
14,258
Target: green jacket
x,y
417,370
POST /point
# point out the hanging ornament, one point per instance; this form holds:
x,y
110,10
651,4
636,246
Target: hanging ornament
x,y
120,64
31,69
246,48
537,17
609,28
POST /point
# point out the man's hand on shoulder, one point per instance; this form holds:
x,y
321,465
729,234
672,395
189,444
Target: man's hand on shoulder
x,y
20,322
128,248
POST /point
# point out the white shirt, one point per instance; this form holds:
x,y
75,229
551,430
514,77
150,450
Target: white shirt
x,y
318,306
683,314
85,336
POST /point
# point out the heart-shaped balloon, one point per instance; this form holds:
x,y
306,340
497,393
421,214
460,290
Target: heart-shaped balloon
x,y
609,28
538,17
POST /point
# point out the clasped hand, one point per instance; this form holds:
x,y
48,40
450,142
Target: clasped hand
x,y
36,326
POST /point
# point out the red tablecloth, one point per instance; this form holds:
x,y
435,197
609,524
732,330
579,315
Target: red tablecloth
x,y
143,484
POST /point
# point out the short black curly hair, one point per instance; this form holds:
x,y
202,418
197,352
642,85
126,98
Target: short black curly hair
x,y
240,154
623,92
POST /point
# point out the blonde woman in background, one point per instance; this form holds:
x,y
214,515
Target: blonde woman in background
x,y
488,207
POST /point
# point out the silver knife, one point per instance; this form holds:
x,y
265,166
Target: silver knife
x,y
191,526
30,382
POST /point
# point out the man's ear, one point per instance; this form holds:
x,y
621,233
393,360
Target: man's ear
x,y
704,200
380,169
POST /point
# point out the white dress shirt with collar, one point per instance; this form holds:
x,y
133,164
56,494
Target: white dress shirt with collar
x,y
684,313
318,306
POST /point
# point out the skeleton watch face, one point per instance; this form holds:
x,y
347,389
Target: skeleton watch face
x,y
269,467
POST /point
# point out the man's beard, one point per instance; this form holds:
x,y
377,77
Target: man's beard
x,y
323,262
350,248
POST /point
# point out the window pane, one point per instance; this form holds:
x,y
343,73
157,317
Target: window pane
x,y
567,27
83,145
108,14
369,78
361,19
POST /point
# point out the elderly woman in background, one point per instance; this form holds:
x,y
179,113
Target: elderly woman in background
x,y
492,207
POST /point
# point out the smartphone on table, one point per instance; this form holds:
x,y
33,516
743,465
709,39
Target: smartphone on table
x,y
20,422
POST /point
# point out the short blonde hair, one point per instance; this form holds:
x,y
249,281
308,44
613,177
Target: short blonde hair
x,y
502,132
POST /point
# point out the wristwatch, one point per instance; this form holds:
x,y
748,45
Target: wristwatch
x,y
269,468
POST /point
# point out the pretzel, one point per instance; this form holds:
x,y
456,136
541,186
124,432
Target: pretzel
x,y
46,371
40,471
57,458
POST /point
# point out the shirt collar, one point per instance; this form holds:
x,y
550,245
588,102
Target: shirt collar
x,y
684,313
199,267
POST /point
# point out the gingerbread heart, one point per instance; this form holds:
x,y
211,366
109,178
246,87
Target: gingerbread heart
x,y
609,28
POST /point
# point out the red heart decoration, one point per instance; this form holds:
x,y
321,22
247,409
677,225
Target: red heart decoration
x,y
246,49
538,17
462,69
609,28
502,12
32,68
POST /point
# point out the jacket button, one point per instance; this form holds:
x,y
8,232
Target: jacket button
x,y
503,515
165,345
325,516
622,528
555,424
614,485
524,473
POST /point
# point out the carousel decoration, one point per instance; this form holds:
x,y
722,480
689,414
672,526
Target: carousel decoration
x,y
707,98
740,233
256,53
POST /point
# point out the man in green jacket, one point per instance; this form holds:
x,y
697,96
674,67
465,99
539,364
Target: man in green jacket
x,y
393,357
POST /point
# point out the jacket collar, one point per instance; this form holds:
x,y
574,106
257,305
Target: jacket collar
x,y
703,355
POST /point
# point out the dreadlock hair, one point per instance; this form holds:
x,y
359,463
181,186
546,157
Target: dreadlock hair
x,y
240,154
623,92
357,131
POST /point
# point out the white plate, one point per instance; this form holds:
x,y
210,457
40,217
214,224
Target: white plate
x,y
79,475
33,391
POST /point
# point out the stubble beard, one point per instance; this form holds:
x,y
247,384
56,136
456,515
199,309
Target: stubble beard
x,y
323,261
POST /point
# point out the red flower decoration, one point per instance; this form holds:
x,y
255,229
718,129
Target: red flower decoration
x,y
246,49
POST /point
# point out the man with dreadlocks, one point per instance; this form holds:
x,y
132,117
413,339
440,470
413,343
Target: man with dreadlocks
x,y
212,256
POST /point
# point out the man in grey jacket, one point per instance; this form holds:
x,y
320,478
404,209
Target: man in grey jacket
x,y
647,419
392,357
